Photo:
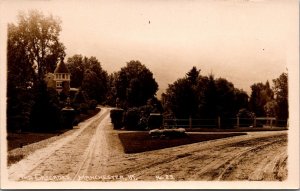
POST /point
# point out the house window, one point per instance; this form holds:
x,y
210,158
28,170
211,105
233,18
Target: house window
x,y
63,76
58,84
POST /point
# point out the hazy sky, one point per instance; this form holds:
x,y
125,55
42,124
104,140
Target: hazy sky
x,y
242,41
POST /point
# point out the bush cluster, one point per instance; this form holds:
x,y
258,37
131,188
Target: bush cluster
x,y
93,104
132,118
246,117
83,108
116,116
155,121
46,114
136,118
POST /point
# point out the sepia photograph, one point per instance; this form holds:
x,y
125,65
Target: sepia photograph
x,y
149,94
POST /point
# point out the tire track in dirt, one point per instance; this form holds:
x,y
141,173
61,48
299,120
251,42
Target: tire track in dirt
x,y
57,159
97,151
234,162
214,163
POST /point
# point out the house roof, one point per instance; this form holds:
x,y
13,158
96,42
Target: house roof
x,y
61,68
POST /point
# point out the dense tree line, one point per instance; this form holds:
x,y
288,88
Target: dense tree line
x,y
88,75
200,96
271,101
34,49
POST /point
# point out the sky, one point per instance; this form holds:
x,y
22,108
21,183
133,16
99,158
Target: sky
x,y
244,41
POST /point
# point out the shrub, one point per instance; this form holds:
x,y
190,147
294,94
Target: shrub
x,y
84,108
93,104
46,114
132,118
143,123
155,120
79,117
116,116
246,117
146,110
68,117
80,97
15,122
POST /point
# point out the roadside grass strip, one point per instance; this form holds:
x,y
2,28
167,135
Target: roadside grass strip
x,y
136,142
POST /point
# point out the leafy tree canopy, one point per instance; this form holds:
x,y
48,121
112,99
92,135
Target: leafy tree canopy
x,y
87,74
280,89
38,36
33,49
260,95
200,96
135,84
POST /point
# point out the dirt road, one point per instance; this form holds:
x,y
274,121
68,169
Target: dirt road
x,y
94,153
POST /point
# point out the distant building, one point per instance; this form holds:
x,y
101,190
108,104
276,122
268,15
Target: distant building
x,y
62,78
59,80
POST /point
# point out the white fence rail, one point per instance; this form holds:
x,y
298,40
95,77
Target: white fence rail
x,y
225,122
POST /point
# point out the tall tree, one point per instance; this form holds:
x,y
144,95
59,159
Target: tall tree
x,y
135,84
76,67
208,102
281,95
41,33
203,97
193,75
112,91
271,108
90,84
181,98
33,49
87,74
225,98
261,94
241,99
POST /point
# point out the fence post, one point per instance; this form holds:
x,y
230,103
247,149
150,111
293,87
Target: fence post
x,y
238,122
271,123
190,122
219,122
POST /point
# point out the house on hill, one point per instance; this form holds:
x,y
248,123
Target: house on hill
x,y
62,78
59,80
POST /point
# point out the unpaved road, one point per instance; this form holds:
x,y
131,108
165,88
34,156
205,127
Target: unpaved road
x,y
94,153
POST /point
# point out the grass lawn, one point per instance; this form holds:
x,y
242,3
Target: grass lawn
x,y
135,142
18,140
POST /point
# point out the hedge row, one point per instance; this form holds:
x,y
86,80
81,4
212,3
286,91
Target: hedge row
x,y
135,119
